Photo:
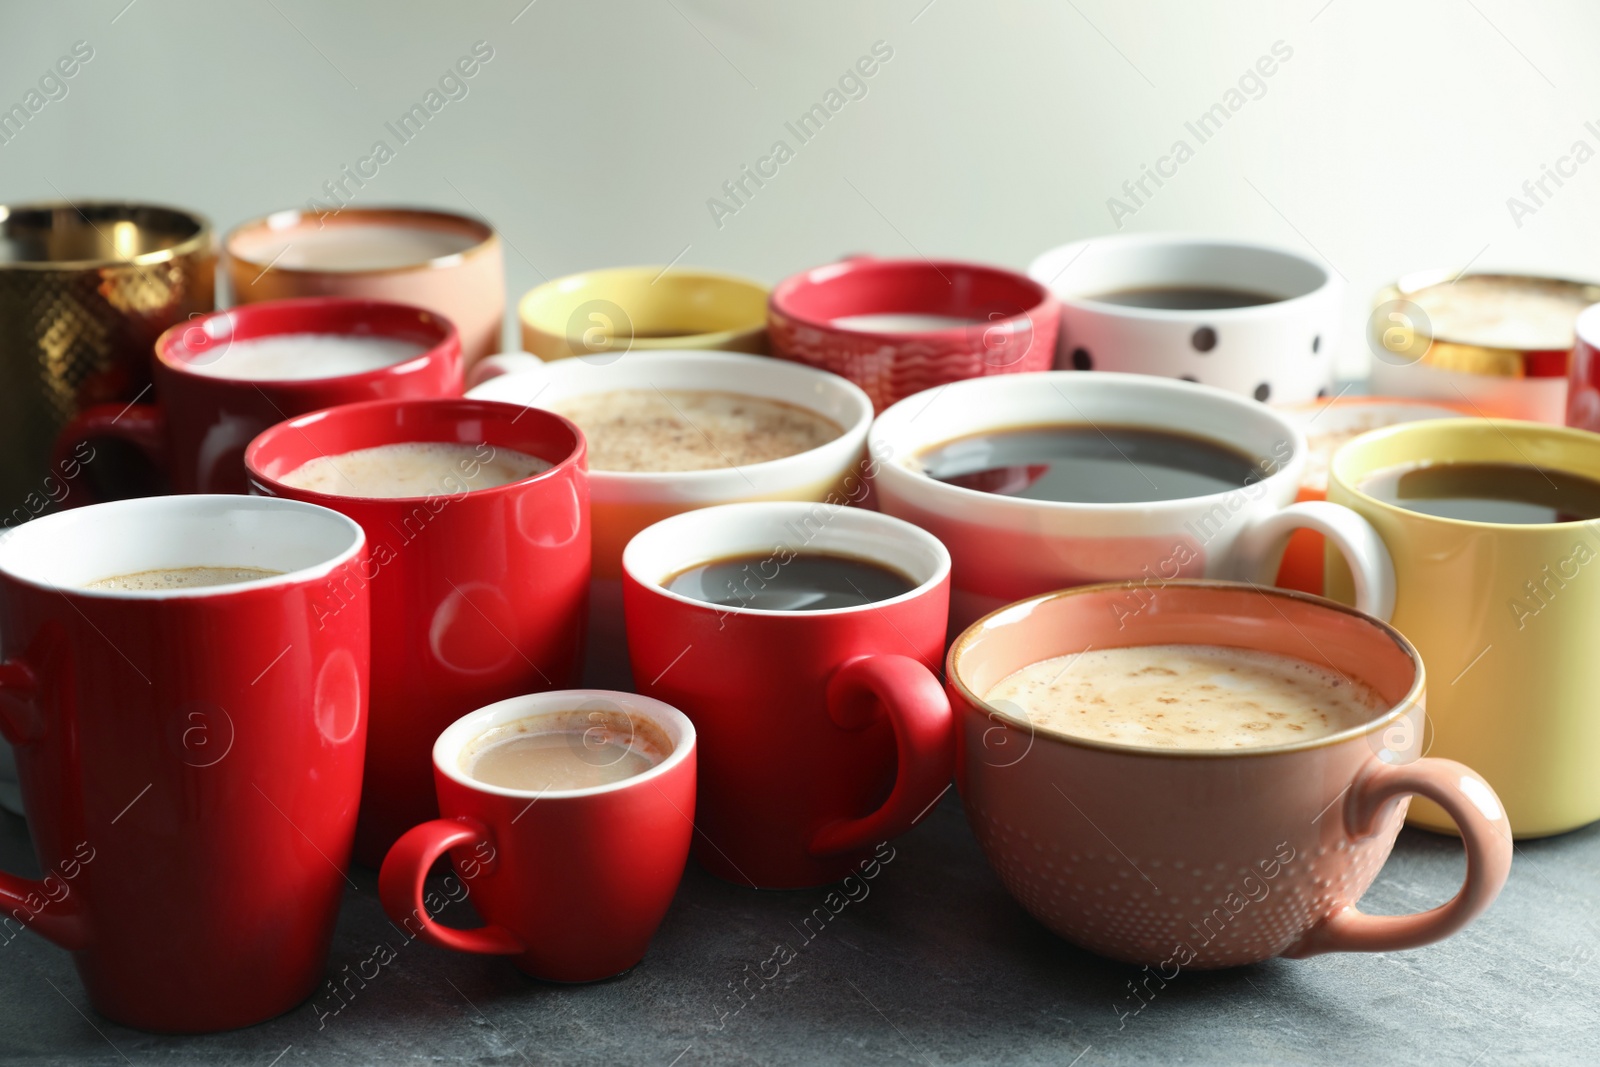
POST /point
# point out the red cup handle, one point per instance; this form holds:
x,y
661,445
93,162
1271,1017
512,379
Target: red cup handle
x,y
1477,813
141,425
924,737
25,903
400,886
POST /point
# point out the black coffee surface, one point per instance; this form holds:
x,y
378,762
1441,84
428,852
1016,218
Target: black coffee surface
x,y
1186,297
1512,493
1085,464
811,581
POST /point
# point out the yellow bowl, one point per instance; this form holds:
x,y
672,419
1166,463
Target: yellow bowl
x,y
622,309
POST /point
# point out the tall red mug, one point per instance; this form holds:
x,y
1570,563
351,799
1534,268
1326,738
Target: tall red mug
x,y
197,429
476,596
822,733
191,758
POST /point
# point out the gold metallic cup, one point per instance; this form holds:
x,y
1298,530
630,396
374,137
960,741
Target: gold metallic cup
x,y
85,289
1406,340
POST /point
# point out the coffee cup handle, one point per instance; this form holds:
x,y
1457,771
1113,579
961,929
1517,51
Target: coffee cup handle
x,y
27,904
142,425
401,883
1259,550
500,364
1485,833
924,737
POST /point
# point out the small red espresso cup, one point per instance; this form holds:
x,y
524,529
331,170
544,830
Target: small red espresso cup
x,y
211,402
477,595
571,883
898,326
190,757
822,732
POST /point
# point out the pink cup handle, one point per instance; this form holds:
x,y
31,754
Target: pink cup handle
x,y
1485,833
24,902
400,887
924,737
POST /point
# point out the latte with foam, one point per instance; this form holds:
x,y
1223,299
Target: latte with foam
x,y
165,579
691,429
300,356
565,750
1185,697
413,469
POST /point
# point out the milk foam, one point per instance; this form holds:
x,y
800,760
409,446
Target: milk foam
x,y
424,468
301,356
691,429
1186,697
168,578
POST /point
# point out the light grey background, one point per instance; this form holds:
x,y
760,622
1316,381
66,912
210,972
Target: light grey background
x,y
1391,140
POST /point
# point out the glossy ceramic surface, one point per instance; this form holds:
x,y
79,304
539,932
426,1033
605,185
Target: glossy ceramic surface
x,y
1281,351
571,884
823,733
625,502
1006,548
199,430
1506,617
1328,424
190,761
476,596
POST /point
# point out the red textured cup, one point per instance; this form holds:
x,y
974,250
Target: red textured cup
x,y
190,758
571,883
822,733
1583,372
1203,858
476,596
198,430
1011,323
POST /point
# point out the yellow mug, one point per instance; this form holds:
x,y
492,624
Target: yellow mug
x,y
603,313
1507,617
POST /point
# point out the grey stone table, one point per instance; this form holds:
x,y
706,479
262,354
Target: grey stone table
x,y
933,965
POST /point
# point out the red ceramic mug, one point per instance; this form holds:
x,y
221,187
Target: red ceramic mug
x,y
208,412
190,758
1583,372
822,733
476,595
898,326
571,883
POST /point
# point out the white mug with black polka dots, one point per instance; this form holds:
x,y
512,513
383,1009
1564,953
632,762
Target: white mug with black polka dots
x,y
1252,319
1053,479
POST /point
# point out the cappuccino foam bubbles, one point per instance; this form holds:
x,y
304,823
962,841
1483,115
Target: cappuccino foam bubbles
x,y
1200,697
412,469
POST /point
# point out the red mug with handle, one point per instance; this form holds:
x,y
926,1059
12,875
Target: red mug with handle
x,y
477,595
571,883
822,732
213,399
190,757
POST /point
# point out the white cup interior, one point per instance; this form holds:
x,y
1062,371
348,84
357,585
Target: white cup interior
x,y
671,723
673,545
69,549
1106,264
